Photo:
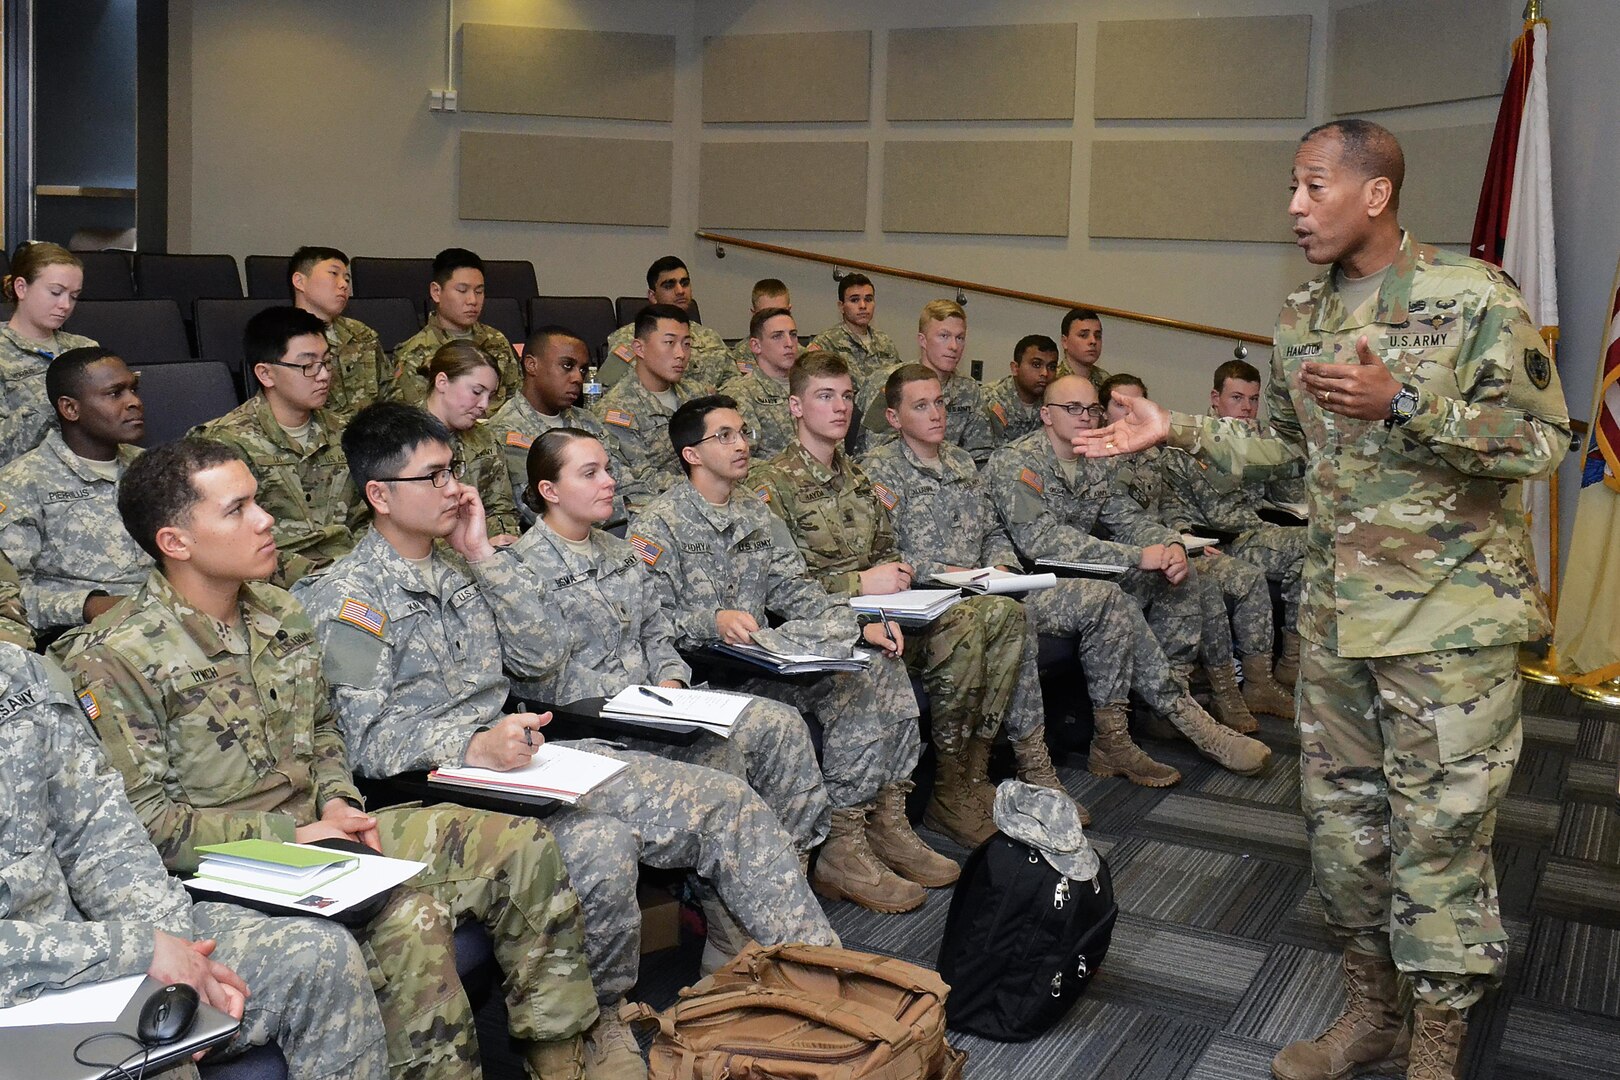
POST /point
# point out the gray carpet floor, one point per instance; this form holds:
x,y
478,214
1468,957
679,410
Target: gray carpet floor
x,y
1220,956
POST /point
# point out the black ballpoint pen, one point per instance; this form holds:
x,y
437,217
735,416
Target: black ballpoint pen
x,y
660,698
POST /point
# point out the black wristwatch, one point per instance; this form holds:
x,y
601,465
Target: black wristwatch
x,y
1403,406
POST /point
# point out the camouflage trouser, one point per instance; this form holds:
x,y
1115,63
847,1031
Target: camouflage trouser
x,y
1173,612
869,726
507,874
309,991
971,661
1116,648
770,748
673,815
1279,551
1402,762
1249,624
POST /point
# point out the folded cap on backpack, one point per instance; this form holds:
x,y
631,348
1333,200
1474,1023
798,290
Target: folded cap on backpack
x,y
1049,822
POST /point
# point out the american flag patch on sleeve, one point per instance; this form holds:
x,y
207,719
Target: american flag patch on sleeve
x,y
1032,478
650,552
517,438
1001,414
365,617
888,498
619,418
87,702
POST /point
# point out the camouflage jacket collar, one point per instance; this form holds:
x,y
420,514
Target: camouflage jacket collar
x,y
340,331
376,561
55,444
871,346
45,350
955,465
766,387
265,419
258,617
720,518
800,461
1393,295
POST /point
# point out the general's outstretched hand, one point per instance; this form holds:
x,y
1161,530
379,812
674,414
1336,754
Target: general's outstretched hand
x,y
1147,425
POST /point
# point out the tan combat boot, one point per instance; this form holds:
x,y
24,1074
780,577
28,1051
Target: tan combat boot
x,y
1114,754
1222,745
1287,669
1226,700
1035,767
1437,1038
1262,693
978,772
611,1052
849,870
954,808
560,1059
891,838
1370,1034
724,937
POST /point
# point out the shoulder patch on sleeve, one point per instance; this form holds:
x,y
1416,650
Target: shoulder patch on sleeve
x,y
87,702
1536,365
888,498
619,418
743,367
1000,413
650,552
625,353
1030,477
517,438
2,508
763,493
364,616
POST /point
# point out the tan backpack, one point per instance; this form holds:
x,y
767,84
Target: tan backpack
x,y
805,1012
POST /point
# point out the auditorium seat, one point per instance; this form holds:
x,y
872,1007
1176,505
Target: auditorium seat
x,y
506,315
692,310
267,277
179,396
591,317
512,278
392,277
106,276
395,318
626,308
186,278
220,324
140,331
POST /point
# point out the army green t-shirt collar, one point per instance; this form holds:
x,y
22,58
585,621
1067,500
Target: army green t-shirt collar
x,y
1394,294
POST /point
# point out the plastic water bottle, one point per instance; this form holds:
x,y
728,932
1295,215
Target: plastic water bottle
x,y
593,387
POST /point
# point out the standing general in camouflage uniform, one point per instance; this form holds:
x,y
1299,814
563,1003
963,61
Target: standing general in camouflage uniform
x,y
941,339
59,502
762,394
88,900
1416,389
14,626
44,284
669,283
1013,405
211,703
321,285
865,349
457,293
291,443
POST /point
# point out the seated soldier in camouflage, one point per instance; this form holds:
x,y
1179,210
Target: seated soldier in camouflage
x,y
941,343
461,379
1013,405
637,409
554,365
867,350
457,293
1159,480
412,653
762,394
290,442
14,626
43,286
207,692
721,561
321,285
59,502
88,900
670,284
1081,336
767,293
944,522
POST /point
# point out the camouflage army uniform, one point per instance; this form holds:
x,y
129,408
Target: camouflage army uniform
x,y
865,358
763,402
413,696
86,891
517,424
1008,416
478,449
738,557
307,489
25,415
359,368
640,424
741,357
976,661
966,423
409,385
575,626
710,360
1417,590
1095,372
14,626
215,744
60,522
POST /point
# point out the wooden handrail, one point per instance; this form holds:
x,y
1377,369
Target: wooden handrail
x,y
988,290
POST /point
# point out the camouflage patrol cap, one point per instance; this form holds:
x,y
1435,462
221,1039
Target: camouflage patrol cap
x,y
1049,822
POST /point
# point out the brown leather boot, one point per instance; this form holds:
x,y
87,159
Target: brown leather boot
x,y
559,1059
978,772
1262,693
1222,745
891,838
1437,1038
1226,700
611,1052
1114,754
1287,669
849,870
1370,1034
1035,767
954,808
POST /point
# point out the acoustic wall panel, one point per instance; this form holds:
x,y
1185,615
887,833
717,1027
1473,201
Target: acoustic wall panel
x,y
1253,68
1444,170
506,177
789,186
1184,190
982,73
990,188
588,73
787,78
1393,53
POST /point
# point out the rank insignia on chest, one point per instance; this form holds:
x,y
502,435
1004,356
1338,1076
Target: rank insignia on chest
x,y
888,498
619,418
650,552
1033,479
364,616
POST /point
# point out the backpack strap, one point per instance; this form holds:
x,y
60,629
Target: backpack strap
x,y
850,1017
884,968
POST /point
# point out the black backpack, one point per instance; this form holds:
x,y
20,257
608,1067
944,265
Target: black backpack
x,y
1022,942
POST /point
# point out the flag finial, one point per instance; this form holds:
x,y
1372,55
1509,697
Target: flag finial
x,y
1532,10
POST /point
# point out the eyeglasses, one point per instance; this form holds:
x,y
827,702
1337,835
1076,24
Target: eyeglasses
x,y
310,370
438,477
1077,409
726,436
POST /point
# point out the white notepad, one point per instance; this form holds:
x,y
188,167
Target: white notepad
x,y
718,712
557,772
988,579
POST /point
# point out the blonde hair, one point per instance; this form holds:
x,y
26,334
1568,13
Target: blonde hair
x,y
30,261
938,311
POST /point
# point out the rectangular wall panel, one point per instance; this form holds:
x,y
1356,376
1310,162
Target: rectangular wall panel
x,y
1392,53
589,73
1444,170
788,78
982,73
1203,68
1185,190
506,177
786,186
989,188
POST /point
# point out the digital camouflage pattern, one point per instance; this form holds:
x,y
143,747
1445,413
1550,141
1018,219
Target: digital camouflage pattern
x,y
14,626
59,521
865,358
966,424
483,466
738,557
1009,417
359,368
517,424
408,384
25,415
306,488
763,402
639,423
86,890
709,362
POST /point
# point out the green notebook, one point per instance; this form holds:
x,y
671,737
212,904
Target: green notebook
x,y
274,851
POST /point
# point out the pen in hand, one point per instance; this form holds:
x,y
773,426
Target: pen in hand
x,y
656,696
528,732
888,629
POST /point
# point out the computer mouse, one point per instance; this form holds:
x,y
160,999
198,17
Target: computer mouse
x,y
167,1014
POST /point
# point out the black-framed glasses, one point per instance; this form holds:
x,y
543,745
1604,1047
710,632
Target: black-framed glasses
x,y
1078,409
727,436
438,477
310,370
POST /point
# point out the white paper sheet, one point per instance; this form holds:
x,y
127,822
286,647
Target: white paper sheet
x,y
374,874
98,1003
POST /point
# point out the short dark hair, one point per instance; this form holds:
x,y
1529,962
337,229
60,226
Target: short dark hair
x,y
1039,342
1106,391
895,385
756,324
310,256
816,364
64,376
647,321
849,281
265,338
541,337
448,261
1075,315
686,426
662,266
1371,149
381,438
1241,370
157,492
545,462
